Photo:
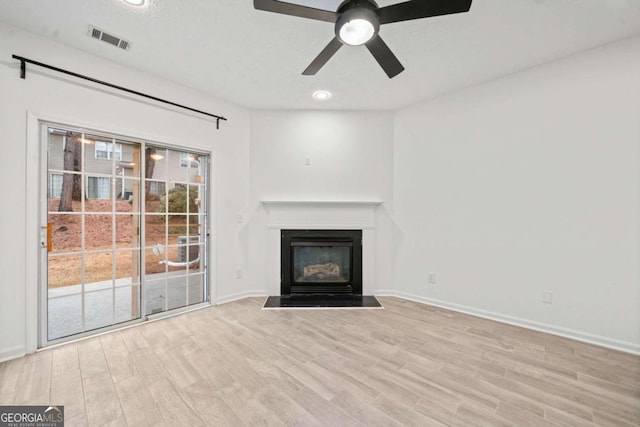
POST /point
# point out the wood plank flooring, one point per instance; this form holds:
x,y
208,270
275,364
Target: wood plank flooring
x,y
409,364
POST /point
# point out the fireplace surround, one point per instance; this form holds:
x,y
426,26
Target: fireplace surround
x,y
283,214
321,262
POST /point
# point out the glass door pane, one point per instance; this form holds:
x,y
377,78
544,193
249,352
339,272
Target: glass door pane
x,y
93,223
175,224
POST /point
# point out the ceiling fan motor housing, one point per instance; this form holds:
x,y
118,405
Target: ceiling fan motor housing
x,y
357,9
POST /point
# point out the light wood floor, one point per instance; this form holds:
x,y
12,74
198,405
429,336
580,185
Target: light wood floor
x,y
409,364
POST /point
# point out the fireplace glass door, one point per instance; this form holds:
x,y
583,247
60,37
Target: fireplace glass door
x,y
321,262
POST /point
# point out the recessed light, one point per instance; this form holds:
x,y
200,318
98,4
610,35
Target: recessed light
x,y
322,95
135,2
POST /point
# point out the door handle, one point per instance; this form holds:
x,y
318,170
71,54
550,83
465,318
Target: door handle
x,y
45,237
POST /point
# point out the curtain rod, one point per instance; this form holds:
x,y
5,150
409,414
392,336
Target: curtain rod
x,y
23,69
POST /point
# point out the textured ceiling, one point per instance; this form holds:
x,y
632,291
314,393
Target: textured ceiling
x,y
255,58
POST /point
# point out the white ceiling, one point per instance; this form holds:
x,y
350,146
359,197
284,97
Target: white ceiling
x,y
255,58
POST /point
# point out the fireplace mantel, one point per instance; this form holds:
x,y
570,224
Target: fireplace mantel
x,y
293,203
318,215
337,214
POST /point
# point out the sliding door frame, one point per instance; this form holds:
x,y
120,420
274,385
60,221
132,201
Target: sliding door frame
x,y
36,291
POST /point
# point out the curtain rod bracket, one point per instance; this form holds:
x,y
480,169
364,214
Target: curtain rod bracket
x,y
23,69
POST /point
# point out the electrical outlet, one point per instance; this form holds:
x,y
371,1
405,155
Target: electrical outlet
x,y
307,161
547,297
432,278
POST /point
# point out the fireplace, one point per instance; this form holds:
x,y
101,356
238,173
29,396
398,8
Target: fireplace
x,y
321,262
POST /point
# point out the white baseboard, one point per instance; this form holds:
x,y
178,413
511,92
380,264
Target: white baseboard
x,y
12,353
240,295
627,347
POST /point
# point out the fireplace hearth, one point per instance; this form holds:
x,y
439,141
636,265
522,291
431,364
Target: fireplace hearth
x,y
321,262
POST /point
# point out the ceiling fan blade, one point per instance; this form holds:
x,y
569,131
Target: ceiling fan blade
x,y
385,57
323,57
295,10
417,9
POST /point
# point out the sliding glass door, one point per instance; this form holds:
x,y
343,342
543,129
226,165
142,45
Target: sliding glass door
x,y
175,224
125,225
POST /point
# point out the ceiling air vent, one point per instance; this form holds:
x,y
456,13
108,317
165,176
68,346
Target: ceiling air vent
x,y
116,41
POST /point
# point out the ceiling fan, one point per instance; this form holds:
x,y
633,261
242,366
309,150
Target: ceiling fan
x,y
358,22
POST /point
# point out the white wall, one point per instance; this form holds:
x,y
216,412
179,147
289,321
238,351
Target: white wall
x,y
527,184
351,160
50,95
350,154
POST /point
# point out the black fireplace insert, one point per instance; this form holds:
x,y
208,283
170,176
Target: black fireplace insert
x,y
321,262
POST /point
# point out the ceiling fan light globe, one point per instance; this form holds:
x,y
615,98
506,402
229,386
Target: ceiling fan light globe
x,y
357,25
357,32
